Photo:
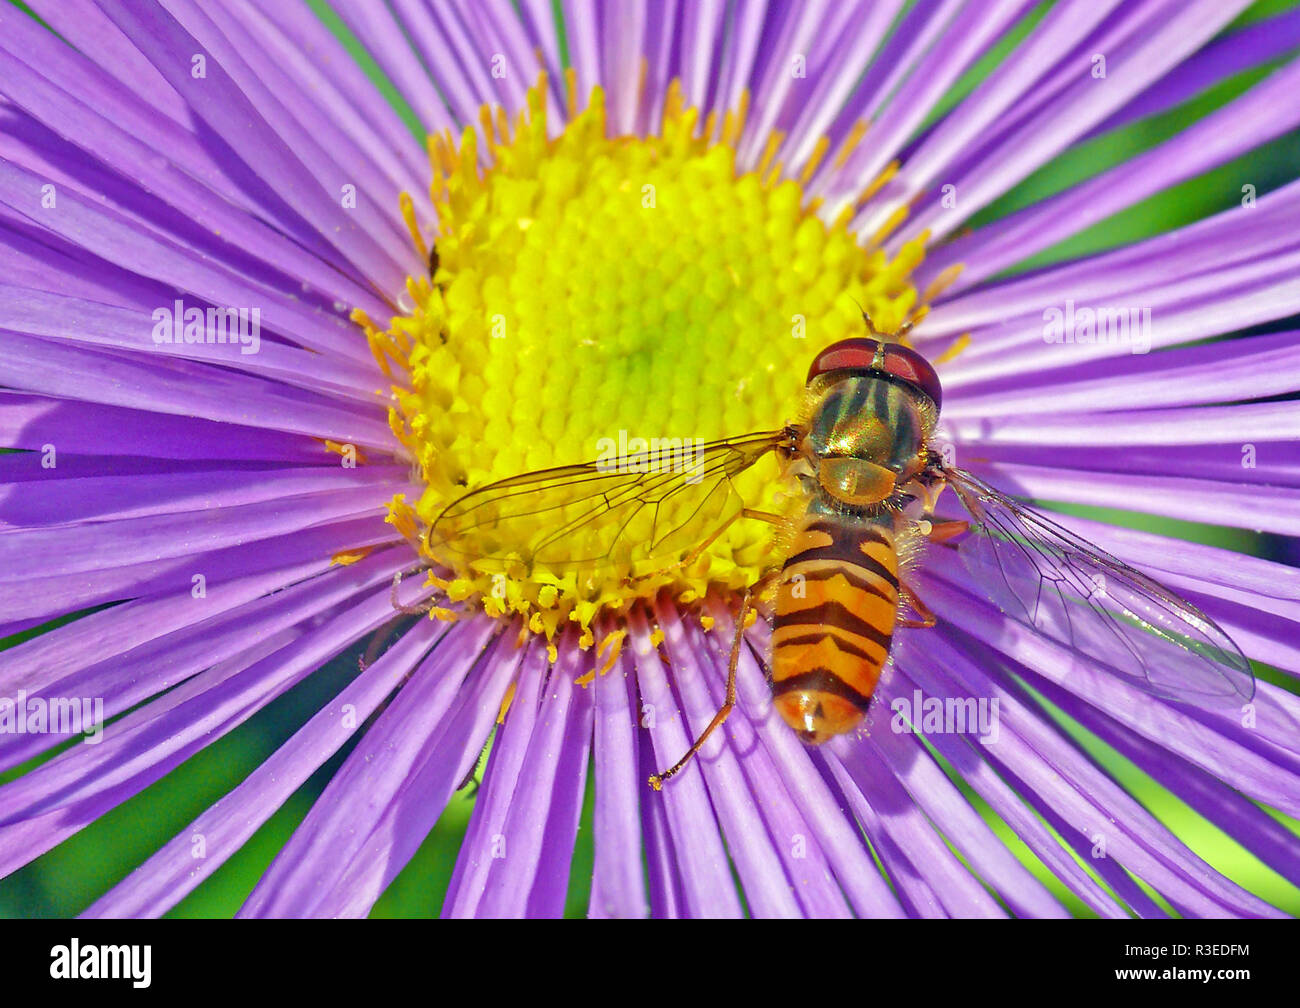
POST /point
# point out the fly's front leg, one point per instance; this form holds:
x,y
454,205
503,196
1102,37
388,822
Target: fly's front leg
x,y
698,550
924,490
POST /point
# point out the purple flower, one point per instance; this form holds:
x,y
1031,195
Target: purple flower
x,y
241,396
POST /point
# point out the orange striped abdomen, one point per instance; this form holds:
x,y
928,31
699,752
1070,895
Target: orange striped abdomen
x,y
835,612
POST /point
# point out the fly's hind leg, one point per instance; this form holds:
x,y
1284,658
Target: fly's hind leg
x,y
753,592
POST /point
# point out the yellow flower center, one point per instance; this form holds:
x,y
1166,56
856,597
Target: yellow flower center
x,y
591,291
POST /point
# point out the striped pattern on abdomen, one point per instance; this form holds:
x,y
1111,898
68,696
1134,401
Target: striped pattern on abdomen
x,y
834,618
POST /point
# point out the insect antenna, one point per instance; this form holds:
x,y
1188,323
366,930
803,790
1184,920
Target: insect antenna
x,y
897,334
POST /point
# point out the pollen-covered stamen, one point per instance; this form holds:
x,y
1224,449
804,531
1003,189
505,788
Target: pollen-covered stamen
x,y
593,291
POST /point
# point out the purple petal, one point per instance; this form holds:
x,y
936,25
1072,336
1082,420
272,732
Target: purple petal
x,y
617,882
381,804
174,871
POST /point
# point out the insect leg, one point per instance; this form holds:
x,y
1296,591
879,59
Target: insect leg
x,y
759,660
657,780
754,590
766,516
920,608
377,641
935,532
472,777
378,712
401,607
698,550
941,532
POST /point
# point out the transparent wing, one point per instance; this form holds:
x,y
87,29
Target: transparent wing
x,y
1045,576
639,506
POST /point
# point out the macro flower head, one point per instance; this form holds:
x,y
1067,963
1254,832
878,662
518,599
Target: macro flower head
x,y
423,374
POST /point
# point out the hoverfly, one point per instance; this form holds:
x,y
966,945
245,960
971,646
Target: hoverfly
x,y
869,480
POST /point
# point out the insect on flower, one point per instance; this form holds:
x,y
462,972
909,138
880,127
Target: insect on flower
x,y
868,483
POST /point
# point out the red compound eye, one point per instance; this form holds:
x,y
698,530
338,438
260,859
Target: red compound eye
x,y
859,354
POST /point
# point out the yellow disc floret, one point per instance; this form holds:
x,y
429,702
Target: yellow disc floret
x,y
593,290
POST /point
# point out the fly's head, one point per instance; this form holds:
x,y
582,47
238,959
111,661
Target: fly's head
x,y
872,408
